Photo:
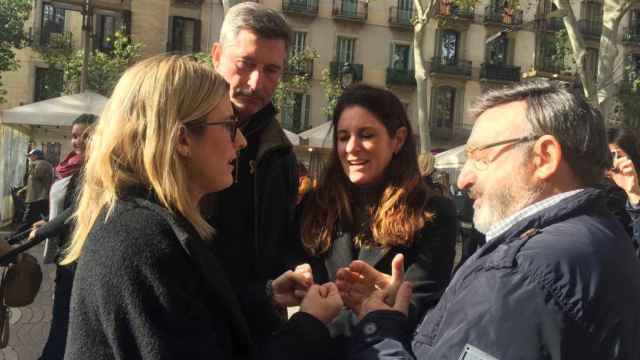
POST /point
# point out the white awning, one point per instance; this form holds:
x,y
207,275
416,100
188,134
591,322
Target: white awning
x,y
293,137
60,111
452,158
320,136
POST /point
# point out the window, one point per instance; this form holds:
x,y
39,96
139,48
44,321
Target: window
x,y
350,8
299,41
443,110
345,50
49,84
106,30
592,62
592,11
52,22
634,21
184,35
400,57
405,9
296,119
449,47
497,51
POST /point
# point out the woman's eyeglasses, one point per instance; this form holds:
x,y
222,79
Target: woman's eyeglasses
x,y
230,125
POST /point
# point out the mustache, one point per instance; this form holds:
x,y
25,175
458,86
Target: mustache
x,y
247,92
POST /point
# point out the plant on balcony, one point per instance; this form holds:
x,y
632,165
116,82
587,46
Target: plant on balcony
x,y
296,81
13,14
104,68
332,90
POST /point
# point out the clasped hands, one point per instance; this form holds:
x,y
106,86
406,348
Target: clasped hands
x,y
359,287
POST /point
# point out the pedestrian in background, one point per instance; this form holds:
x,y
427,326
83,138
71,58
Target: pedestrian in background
x,y
36,192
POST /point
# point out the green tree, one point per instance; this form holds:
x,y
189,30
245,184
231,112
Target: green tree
x,y
13,14
332,90
105,68
296,79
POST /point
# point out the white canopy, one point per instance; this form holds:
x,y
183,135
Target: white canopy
x,y
293,137
60,111
451,159
319,136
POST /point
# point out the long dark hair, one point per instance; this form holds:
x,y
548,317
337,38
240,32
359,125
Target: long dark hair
x,y
627,140
400,212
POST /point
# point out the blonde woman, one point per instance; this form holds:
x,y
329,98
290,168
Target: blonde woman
x,y
147,284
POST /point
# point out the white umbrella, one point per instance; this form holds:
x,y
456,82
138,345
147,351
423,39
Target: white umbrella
x,y
293,137
319,136
60,111
451,159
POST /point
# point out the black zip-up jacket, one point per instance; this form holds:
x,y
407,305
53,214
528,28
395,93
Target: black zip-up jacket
x,y
561,284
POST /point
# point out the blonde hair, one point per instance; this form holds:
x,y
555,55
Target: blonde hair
x,y
134,143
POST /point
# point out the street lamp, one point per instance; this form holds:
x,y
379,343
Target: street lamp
x,y
347,75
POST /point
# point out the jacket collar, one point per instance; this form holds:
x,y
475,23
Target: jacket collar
x,y
272,136
208,264
587,200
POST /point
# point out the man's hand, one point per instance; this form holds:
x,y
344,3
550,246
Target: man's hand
x,y
625,175
287,285
322,302
378,301
360,280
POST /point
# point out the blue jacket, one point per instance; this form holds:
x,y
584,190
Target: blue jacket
x,y
561,284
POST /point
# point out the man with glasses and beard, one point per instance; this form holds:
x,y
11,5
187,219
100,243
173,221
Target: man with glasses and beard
x,y
254,216
557,278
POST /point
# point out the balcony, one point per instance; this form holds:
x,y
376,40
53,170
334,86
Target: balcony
x,y
303,68
499,72
446,66
53,40
350,10
336,70
590,29
300,7
448,9
502,17
401,18
401,77
631,35
550,25
192,3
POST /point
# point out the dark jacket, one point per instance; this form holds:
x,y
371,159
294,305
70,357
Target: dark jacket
x,y
428,261
147,287
560,284
258,214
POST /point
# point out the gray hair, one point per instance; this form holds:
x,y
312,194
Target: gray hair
x,y
264,22
558,109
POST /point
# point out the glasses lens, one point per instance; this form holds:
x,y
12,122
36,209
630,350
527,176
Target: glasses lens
x,y
232,127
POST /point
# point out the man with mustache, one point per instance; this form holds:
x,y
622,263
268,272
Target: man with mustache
x,y
254,216
557,278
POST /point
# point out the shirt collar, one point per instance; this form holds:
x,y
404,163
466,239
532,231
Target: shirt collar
x,y
530,210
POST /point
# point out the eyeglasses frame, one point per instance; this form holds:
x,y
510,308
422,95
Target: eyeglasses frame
x,y
515,141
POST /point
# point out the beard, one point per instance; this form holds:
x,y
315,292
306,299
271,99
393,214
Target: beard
x,y
500,202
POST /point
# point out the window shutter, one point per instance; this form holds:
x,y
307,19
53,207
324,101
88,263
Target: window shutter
x,y
307,106
197,30
170,35
126,22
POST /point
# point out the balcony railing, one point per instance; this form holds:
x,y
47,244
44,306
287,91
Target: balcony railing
x,y
401,77
631,35
443,65
352,10
590,28
446,8
505,17
305,67
499,72
400,17
553,24
336,68
52,40
300,7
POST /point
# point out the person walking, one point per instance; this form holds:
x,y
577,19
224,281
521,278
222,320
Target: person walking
x,y
36,192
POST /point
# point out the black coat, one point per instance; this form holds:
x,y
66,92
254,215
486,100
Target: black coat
x,y
428,261
147,287
261,210
562,283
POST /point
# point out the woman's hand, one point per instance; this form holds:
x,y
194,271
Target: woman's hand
x,y
322,302
291,287
34,228
360,281
624,174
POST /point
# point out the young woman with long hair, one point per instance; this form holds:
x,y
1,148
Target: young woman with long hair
x,y
372,204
